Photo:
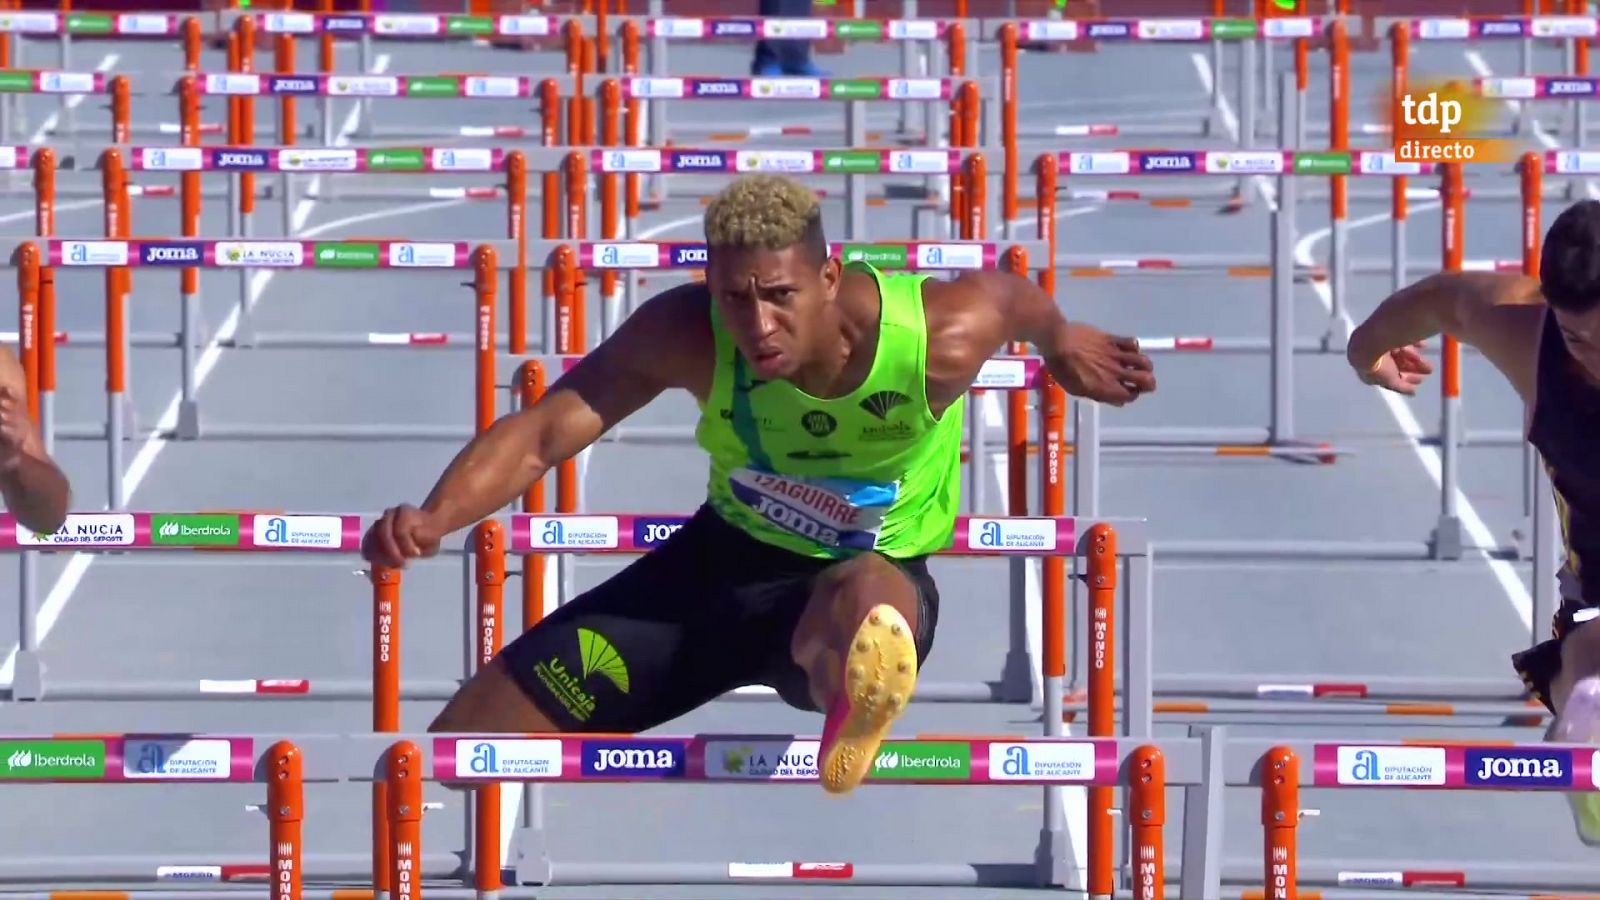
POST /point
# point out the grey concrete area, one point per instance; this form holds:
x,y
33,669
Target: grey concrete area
x,y
137,617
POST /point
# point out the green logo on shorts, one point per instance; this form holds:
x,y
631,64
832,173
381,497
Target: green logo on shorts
x,y
597,657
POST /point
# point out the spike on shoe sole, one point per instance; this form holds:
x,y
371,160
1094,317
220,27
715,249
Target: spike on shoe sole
x,y
880,676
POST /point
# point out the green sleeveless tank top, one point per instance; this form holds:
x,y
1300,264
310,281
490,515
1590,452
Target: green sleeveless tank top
x,y
829,478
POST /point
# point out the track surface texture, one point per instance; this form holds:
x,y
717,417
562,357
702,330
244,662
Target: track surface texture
x,y
163,617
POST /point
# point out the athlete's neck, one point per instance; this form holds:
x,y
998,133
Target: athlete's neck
x,y
847,342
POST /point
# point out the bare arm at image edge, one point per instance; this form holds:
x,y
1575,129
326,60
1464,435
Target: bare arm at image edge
x,y
1498,314
35,489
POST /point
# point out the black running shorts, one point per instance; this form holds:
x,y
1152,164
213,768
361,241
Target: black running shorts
x,y
1539,664
708,610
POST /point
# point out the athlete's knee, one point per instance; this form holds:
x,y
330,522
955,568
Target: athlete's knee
x,y
491,702
850,590
1580,659
1580,650
841,600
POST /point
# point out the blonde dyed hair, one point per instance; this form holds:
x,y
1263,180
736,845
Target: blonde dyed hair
x,y
764,212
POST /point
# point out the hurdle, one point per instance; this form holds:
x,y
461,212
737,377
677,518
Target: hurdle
x,y
1201,764
116,255
926,46
239,28
1280,431
1247,33
1114,549
36,25
1570,28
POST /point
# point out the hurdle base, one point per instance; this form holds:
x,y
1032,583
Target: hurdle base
x,y
136,870
1446,542
1016,678
1337,686
1053,857
993,875
529,858
1535,877
195,691
1304,549
188,427
272,432
27,676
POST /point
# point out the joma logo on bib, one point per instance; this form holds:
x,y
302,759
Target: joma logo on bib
x,y
832,512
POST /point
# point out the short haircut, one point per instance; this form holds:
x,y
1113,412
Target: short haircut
x,y
1569,264
766,212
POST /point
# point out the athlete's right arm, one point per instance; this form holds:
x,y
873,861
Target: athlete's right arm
x,y
657,348
1497,313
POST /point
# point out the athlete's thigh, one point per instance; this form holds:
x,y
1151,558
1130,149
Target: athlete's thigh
x,y
628,654
794,603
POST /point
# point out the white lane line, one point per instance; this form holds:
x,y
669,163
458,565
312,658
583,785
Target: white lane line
x,y
1477,530
55,603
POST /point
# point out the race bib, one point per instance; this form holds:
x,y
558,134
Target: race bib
x,y
833,512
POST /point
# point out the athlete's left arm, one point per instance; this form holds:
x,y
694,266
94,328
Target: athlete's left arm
x,y
979,313
34,488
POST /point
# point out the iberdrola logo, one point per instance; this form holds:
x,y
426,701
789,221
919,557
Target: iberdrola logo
x,y
600,658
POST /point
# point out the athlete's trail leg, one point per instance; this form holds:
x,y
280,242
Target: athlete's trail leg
x,y
856,642
1575,694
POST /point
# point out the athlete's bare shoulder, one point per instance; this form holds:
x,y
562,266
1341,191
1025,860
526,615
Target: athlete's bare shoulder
x,y
967,319
1500,314
667,342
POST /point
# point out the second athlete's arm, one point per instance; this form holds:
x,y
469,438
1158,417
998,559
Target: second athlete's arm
x,y
1496,313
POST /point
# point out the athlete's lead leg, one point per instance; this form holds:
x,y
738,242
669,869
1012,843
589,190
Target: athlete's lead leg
x,y
856,642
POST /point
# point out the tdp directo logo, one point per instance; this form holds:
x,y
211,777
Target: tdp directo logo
x,y
634,759
1512,767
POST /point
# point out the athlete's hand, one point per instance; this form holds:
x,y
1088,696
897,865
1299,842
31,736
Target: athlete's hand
x,y
1102,367
1399,370
402,533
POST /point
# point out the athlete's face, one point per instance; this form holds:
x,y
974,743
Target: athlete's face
x,y
775,304
1581,331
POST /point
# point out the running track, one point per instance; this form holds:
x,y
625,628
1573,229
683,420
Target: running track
x,y
149,617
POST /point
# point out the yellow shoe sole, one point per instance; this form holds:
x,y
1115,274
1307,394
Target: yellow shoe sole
x,y
880,675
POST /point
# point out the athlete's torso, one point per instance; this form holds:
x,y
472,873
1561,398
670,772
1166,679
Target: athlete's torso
x,y
1565,429
871,470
